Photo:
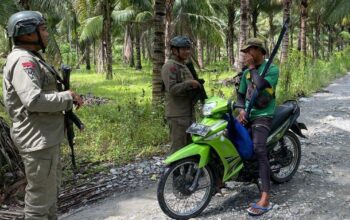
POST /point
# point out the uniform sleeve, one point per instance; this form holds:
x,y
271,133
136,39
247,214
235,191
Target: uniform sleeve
x,y
272,76
243,84
170,74
27,83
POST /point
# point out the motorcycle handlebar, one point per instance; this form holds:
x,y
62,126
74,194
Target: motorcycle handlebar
x,y
237,106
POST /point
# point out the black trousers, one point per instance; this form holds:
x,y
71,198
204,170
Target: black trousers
x,y
260,129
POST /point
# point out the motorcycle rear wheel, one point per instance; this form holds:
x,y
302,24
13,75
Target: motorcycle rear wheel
x,y
290,159
173,189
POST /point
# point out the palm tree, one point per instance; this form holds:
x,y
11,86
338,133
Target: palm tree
x,y
168,26
197,19
136,16
243,31
158,49
303,25
285,42
99,27
231,12
107,9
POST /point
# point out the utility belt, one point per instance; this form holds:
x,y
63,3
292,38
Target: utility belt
x,y
25,114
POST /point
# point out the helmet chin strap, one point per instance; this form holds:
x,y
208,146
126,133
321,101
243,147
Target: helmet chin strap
x,y
40,40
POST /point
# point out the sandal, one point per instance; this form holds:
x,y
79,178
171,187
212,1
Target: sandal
x,y
257,210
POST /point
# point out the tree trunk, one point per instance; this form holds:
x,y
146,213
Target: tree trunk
x,y
317,36
271,33
255,15
87,56
76,39
200,52
106,38
148,45
95,60
230,32
291,31
127,48
99,60
168,26
243,32
313,42
215,54
158,49
207,59
132,55
143,47
303,27
285,42
137,47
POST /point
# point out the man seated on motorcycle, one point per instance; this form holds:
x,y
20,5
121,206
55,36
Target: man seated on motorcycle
x,y
259,119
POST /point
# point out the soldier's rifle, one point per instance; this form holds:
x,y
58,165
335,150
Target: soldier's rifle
x,y
70,118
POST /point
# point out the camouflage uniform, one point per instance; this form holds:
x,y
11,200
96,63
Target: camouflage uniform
x,y
179,105
36,109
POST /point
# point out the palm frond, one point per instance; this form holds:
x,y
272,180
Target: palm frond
x,y
91,28
144,16
200,22
125,15
7,8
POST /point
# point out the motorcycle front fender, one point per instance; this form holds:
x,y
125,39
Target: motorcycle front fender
x,y
201,150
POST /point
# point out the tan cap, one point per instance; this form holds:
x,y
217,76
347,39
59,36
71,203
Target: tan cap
x,y
251,42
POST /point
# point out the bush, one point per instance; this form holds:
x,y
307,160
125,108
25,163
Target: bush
x,y
301,76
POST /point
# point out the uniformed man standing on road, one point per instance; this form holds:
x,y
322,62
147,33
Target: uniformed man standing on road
x,y
179,88
36,109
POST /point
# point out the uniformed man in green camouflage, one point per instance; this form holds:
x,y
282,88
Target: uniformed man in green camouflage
x,y
179,87
37,110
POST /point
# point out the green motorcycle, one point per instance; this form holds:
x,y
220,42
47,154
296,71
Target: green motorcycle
x,y
194,173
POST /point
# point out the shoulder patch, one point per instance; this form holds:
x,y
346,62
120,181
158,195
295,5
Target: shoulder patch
x,y
173,69
30,72
28,64
248,76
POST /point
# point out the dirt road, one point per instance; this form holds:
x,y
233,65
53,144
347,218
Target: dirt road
x,y
319,190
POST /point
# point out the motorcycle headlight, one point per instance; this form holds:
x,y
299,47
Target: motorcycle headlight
x,y
207,108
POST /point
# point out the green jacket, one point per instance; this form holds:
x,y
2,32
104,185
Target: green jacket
x,y
33,102
246,85
178,87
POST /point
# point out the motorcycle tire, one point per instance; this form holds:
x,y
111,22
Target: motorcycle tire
x,y
169,173
295,143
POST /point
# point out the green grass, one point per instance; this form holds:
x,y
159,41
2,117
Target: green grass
x,y
126,127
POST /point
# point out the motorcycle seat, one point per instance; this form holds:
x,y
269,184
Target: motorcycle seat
x,y
281,114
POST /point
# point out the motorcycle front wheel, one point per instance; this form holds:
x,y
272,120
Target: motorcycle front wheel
x,y
177,196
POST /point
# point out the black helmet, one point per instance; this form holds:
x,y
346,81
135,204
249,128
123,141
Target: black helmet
x,y
24,22
180,42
